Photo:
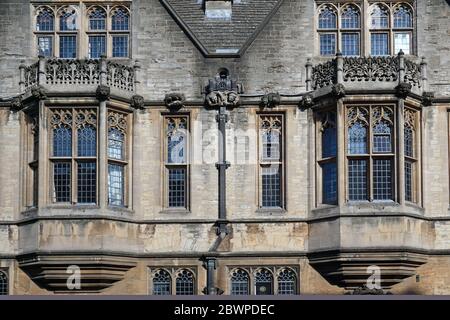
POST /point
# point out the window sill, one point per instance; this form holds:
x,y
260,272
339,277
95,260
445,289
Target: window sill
x,y
271,211
175,211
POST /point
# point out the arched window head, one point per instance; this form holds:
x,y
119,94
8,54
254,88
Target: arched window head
x,y
240,282
379,16
403,16
120,19
327,18
287,282
382,129
3,283
45,20
68,19
350,17
97,19
185,282
162,283
263,282
358,120
176,140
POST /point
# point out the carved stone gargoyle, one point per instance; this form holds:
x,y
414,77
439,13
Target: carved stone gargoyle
x,y
174,101
270,100
222,91
228,99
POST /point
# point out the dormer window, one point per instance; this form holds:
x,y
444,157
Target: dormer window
x,y
218,9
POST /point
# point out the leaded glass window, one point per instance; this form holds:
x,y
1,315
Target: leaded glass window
x,y
263,282
68,19
271,161
350,18
76,152
176,158
403,16
120,20
185,283
117,157
327,156
45,20
379,16
240,282
120,46
287,282
370,171
411,160
97,19
162,283
4,285
68,47
97,46
327,18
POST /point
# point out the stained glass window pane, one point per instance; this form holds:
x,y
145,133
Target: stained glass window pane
x,y
45,21
287,282
116,144
329,183
357,139
116,184
62,142
177,187
62,181
357,179
185,283
162,283
87,141
87,182
263,282
271,186
120,20
382,179
240,283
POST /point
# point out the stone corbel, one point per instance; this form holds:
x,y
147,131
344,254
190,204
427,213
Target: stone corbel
x,y
103,92
16,103
137,102
427,98
403,89
307,101
174,101
338,90
39,93
270,100
228,99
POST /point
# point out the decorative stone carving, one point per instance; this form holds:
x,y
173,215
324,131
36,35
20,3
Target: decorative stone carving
x,y
223,82
137,102
103,92
39,93
174,100
307,101
382,114
67,72
85,118
358,115
61,118
270,100
427,98
412,73
324,74
403,89
16,103
31,75
371,69
222,99
120,76
117,121
338,90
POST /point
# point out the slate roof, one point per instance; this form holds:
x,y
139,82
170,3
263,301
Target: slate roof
x,y
222,38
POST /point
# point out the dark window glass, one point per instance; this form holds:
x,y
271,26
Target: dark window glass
x,y
287,282
62,142
402,17
327,19
97,46
185,283
379,44
240,282
3,283
67,47
162,283
87,182
263,282
271,186
327,44
329,142
357,179
120,46
62,181
350,18
350,44
409,142
329,183
409,180
177,187
382,179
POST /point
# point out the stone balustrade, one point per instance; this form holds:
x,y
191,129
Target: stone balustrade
x,y
79,75
363,72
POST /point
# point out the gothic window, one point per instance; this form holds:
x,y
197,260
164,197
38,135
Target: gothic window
x,y
73,155
185,283
33,160
327,27
370,170
271,161
339,28
45,27
117,157
162,283
176,161
403,28
287,282
3,283
120,26
327,157
263,282
68,37
240,282
411,159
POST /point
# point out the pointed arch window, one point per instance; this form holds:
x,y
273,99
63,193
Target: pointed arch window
x,y
4,285
287,282
327,157
411,158
120,20
185,283
240,282
327,27
162,283
263,282
45,20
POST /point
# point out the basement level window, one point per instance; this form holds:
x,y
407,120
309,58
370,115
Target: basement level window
x,y
218,9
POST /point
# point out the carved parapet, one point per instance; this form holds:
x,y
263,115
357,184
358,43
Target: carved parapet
x,y
270,100
72,72
137,102
120,76
227,99
371,69
174,101
324,74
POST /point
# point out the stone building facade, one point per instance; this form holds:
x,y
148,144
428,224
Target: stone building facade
x,y
224,147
